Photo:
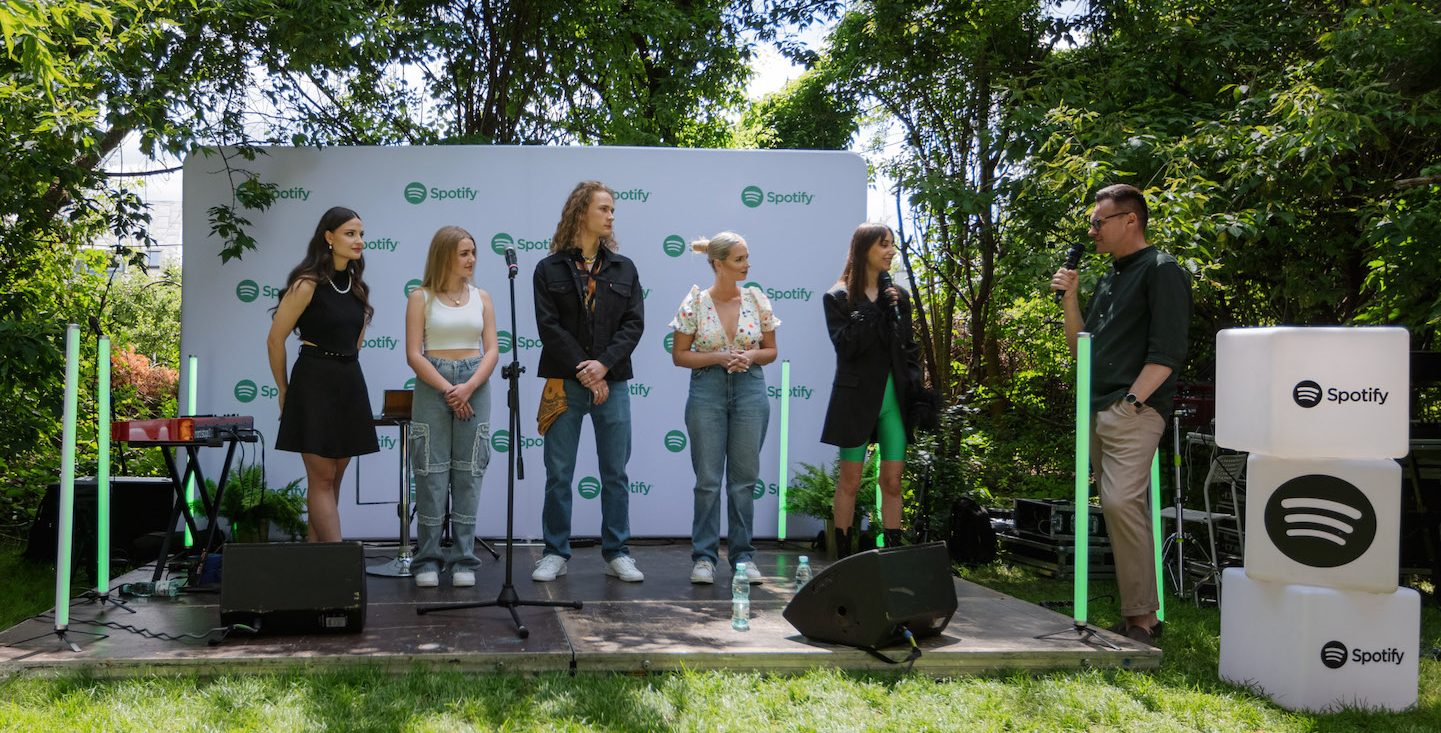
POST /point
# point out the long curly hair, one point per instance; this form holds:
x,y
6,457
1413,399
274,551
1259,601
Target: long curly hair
x,y
854,276
318,264
568,230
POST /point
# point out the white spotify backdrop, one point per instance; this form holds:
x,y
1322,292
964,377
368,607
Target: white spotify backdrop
x,y
796,210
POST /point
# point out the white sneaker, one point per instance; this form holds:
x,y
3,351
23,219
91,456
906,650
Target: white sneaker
x,y
703,572
462,578
753,573
427,579
548,568
623,567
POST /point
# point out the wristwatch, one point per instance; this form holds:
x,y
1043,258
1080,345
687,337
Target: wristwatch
x,y
1134,402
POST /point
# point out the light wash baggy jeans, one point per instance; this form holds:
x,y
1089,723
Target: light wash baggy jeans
x,y
726,416
448,456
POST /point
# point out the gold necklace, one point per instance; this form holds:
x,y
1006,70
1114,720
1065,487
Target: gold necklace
x,y
454,300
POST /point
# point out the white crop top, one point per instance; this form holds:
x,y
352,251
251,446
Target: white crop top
x,y
454,327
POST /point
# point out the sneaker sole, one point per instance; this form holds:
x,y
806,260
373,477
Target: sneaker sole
x,y
702,581
558,574
618,576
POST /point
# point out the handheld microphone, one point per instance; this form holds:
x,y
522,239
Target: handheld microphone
x,y
883,281
510,264
1073,258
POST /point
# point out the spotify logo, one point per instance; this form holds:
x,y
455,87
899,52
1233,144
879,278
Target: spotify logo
x,y
752,196
752,284
1333,654
505,340
410,383
410,287
500,441
1320,521
673,245
245,390
759,490
589,487
675,441
1307,393
247,291
668,341
415,192
499,242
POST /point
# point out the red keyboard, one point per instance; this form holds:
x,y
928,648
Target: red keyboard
x,y
197,430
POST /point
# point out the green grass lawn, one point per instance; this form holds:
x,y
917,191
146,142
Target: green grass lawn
x,y
1184,694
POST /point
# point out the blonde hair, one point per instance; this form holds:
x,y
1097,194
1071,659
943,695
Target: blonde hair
x,y
568,229
440,261
717,248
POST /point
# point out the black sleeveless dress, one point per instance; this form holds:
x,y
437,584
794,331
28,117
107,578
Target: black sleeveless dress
x,y
327,407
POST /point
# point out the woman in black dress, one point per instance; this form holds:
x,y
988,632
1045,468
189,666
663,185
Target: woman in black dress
x,y
324,407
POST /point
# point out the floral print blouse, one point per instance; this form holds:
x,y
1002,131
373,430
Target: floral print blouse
x,y
697,316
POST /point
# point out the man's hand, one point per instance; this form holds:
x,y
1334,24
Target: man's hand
x,y
1066,280
589,372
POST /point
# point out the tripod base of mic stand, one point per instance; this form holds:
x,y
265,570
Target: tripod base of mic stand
x,y
509,600
1082,633
63,634
92,596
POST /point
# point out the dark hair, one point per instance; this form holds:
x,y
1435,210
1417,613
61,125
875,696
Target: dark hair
x,y
854,276
1127,197
568,229
319,265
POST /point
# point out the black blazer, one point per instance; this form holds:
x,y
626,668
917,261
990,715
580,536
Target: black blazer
x,y
869,346
569,333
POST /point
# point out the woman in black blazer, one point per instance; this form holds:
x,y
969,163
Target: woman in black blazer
x,y
877,358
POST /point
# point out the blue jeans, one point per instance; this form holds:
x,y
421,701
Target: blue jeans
x,y
610,421
448,456
726,416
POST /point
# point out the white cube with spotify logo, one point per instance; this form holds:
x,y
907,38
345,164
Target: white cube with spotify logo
x,y
1323,521
1320,649
1293,392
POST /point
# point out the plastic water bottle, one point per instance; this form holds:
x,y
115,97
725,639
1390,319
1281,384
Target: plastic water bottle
x,y
803,573
740,599
168,588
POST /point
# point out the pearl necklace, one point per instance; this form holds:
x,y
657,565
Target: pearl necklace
x,y
348,283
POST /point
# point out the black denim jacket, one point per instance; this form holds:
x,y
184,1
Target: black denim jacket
x,y
569,333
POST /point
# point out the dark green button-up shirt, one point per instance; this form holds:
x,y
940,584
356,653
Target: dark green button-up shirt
x,y
1140,314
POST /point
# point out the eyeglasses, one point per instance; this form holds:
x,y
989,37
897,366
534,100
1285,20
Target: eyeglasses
x,y
1096,223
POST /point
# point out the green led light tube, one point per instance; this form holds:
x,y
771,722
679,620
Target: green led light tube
x,y
1083,469
785,446
67,480
192,365
102,468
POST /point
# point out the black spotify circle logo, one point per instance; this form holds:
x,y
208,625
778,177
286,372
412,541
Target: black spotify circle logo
x,y
1333,654
1321,521
1306,393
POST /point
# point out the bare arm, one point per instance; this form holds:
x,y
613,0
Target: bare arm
x,y
682,356
1067,280
415,342
296,298
1152,376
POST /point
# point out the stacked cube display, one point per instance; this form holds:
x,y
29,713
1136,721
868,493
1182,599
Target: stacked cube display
x,y
1315,619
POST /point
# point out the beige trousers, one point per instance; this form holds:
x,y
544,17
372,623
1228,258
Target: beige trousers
x,y
1122,446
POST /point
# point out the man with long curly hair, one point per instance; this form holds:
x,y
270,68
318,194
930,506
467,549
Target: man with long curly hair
x,y
589,314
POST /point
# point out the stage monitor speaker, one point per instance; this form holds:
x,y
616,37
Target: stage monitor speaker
x,y
864,599
294,587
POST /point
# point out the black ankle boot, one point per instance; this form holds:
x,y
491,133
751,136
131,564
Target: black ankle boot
x,y
893,537
842,541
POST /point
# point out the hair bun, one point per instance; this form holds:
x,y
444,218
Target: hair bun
x,y
700,245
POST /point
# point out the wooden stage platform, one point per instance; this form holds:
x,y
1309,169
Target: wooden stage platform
x,y
664,623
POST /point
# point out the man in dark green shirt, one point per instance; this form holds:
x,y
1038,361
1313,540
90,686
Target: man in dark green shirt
x,y
1138,320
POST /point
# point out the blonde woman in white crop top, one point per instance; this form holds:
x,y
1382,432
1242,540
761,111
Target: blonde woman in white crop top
x,y
724,334
450,342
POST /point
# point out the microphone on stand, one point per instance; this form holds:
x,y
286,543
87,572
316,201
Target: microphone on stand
x,y
510,264
883,281
1073,258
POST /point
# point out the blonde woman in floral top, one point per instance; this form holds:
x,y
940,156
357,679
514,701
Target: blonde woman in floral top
x,y
724,334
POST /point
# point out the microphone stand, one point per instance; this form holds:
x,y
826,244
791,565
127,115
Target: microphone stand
x,y
514,466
